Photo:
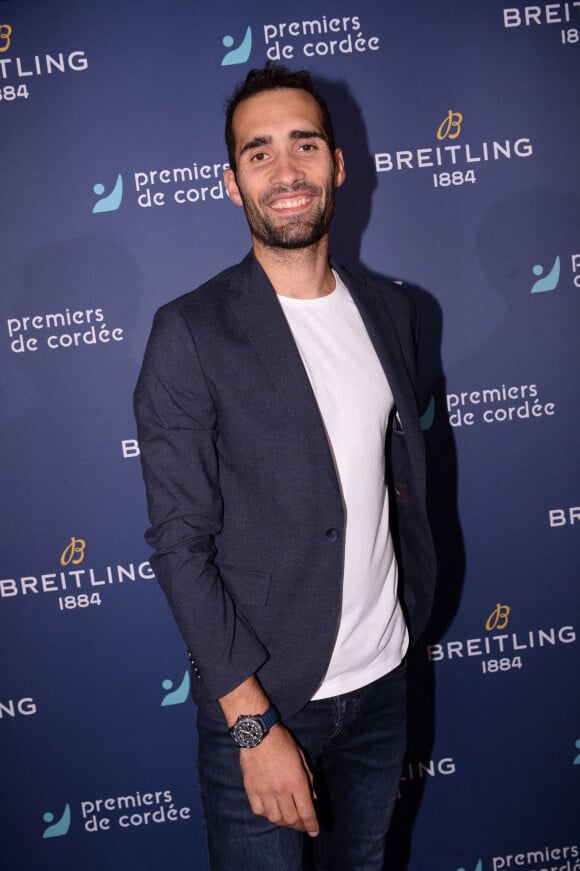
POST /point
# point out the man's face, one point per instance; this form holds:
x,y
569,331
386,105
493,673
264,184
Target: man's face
x,y
286,172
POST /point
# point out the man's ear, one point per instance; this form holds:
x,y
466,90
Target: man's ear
x,y
339,170
232,187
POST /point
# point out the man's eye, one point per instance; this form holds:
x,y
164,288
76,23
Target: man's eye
x,y
259,156
308,146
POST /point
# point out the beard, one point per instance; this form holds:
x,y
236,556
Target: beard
x,y
296,231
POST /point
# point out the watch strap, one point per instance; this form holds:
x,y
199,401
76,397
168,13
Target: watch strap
x,y
269,718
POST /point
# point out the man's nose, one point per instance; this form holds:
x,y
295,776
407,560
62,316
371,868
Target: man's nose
x,y
287,169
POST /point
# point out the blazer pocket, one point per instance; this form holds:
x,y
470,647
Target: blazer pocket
x,y
246,586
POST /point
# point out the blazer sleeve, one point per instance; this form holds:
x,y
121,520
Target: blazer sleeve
x,y
177,429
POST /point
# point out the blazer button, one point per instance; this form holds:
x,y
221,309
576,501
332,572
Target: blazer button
x,y
332,534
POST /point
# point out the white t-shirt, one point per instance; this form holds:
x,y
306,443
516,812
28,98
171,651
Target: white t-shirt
x,y
355,401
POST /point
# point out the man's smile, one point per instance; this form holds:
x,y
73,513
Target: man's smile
x,y
290,203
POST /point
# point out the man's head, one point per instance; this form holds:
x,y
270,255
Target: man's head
x,y
272,78
284,166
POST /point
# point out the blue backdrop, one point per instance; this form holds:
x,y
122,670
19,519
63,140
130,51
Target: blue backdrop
x,y
459,123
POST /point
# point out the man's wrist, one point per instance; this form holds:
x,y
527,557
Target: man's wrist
x,y
248,697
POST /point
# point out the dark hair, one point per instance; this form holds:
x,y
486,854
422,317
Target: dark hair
x,y
273,78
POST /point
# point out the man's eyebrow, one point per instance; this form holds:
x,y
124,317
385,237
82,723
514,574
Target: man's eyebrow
x,y
255,143
306,134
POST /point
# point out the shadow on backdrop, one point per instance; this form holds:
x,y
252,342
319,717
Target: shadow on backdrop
x,y
353,211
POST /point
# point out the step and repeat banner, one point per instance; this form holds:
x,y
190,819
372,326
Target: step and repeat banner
x,y
460,127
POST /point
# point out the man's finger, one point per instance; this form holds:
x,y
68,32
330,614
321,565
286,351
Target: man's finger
x,y
306,812
272,811
308,772
290,815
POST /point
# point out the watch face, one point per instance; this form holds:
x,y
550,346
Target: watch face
x,y
247,732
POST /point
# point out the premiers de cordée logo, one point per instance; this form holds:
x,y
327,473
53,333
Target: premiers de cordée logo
x,y
535,859
133,810
60,330
327,36
505,403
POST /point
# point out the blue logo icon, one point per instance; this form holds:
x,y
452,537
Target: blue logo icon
x,y
428,415
61,827
478,867
577,746
546,282
178,696
240,54
108,202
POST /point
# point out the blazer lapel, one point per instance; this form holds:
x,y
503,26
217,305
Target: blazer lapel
x,y
381,328
260,314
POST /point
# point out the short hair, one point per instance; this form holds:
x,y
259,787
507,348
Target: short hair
x,y
272,78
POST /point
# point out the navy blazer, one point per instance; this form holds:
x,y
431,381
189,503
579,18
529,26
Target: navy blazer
x,y
246,514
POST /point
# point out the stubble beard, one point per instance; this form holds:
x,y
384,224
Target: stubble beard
x,y
297,231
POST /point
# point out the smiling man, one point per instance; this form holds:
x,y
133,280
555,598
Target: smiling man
x,y
283,459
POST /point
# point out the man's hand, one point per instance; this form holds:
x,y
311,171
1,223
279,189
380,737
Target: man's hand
x,y
279,783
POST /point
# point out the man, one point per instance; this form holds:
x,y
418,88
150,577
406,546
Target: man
x,y
283,459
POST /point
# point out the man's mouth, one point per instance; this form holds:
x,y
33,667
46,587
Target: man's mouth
x,y
291,199
290,203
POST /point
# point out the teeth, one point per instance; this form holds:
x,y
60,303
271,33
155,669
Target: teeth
x,y
290,204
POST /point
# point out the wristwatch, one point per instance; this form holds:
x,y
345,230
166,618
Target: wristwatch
x,y
250,730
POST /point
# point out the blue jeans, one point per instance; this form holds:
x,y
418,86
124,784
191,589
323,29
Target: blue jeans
x,y
355,745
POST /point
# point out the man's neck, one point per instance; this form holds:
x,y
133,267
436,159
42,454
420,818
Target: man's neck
x,y
302,273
